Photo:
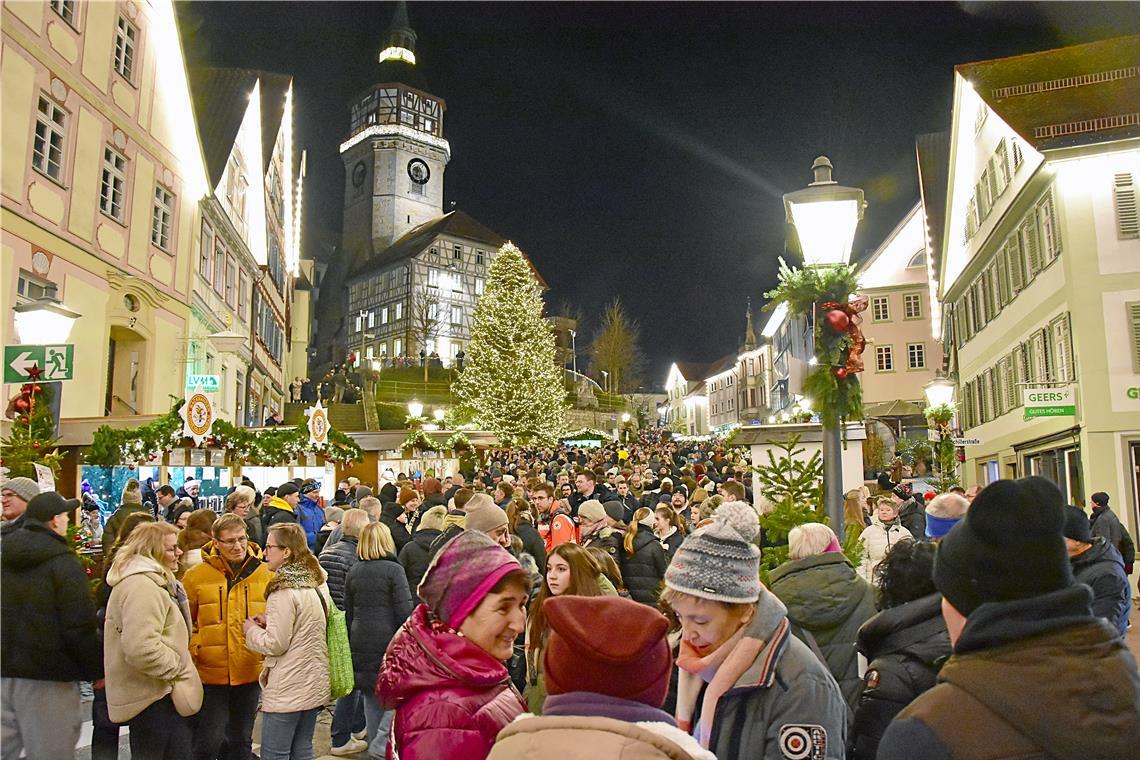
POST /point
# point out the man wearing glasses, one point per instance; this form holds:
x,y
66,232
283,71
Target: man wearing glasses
x,y
225,589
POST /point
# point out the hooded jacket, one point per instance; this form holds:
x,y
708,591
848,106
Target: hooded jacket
x,y
878,538
376,603
644,570
451,698
311,517
826,598
295,673
277,511
416,556
389,515
785,692
905,646
1037,677
146,638
47,614
1104,522
221,597
1101,568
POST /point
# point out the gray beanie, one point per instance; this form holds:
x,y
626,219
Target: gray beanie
x,y
719,562
24,488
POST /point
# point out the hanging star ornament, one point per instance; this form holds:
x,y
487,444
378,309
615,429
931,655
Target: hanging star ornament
x,y
34,372
318,425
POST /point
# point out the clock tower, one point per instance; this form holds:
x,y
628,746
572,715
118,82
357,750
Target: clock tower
x,y
395,154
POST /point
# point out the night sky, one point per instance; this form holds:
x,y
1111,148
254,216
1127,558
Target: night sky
x,y
641,149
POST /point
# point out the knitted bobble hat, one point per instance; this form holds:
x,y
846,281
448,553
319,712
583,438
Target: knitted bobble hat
x,y
719,562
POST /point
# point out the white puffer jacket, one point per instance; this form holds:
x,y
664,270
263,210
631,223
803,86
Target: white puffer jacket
x,y
295,675
878,538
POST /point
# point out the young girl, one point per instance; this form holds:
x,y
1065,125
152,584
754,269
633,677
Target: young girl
x,y
746,687
570,570
670,529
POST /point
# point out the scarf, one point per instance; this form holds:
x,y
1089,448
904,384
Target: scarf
x,y
763,638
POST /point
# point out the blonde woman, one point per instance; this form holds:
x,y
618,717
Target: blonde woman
x,y
152,684
377,601
291,635
241,502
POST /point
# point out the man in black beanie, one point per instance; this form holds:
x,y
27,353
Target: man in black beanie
x,y
1098,565
1105,523
1031,664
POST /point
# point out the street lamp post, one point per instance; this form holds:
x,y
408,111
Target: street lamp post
x,y
574,352
45,321
825,215
606,380
940,393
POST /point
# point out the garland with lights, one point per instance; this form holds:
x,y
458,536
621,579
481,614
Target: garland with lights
x,y
824,293
418,439
270,447
585,434
939,417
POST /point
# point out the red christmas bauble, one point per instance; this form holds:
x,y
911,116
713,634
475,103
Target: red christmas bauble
x,y
24,420
35,444
36,388
22,404
838,320
841,373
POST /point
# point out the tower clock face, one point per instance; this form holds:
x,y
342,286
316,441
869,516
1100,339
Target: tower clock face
x,y
418,171
359,172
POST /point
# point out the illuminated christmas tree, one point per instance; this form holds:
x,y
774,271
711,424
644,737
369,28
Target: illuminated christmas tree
x,y
32,439
511,384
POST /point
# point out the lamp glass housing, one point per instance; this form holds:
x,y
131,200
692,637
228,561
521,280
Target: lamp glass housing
x,y
826,230
439,415
939,391
46,322
415,409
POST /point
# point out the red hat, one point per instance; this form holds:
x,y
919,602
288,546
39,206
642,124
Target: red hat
x,y
630,660
929,495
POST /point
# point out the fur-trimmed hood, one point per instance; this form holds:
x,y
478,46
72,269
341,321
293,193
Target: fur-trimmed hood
x,y
295,575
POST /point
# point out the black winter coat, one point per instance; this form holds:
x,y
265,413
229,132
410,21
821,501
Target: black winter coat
x,y
644,570
376,603
1105,523
532,544
1102,569
416,556
913,518
47,613
337,560
905,647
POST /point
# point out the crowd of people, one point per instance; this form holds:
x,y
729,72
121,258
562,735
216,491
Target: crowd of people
x,y
570,602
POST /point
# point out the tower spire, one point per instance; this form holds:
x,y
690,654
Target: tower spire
x,y
399,39
749,332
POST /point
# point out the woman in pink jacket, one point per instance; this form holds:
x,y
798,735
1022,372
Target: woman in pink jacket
x,y
444,671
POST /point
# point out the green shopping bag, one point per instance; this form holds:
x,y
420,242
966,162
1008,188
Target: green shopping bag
x,y
341,679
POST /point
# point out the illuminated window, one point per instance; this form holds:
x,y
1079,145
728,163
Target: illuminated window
x,y
162,217
113,184
51,130
125,38
399,313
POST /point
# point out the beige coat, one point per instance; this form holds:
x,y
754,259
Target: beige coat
x,y
295,675
592,738
145,639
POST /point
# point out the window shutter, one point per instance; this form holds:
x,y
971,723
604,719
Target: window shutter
x,y
995,186
1009,380
1032,249
1124,196
981,192
1047,225
1017,156
1016,265
1004,166
1063,349
1001,274
1134,332
995,391
971,218
1020,371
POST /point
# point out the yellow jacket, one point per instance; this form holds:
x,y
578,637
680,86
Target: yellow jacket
x,y
220,601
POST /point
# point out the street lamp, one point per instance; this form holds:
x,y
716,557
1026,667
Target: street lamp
x,y
625,417
439,414
825,215
574,352
939,391
44,321
375,365
606,380
415,408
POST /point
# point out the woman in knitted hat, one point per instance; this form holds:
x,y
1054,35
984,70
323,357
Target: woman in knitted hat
x,y
746,687
826,598
643,559
605,692
570,571
443,673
